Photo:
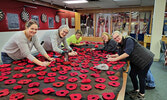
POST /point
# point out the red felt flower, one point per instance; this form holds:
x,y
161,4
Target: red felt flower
x,y
51,74
3,78
86,87
29,66
110,72
16,62
25,70
108,96
72,80
49,99
34,84
22,64
86,81
100,86
48,90
16,96
62,77
4,92
122,62
77,68
117,67
62,72
55,69
5,65
17,75
113,78
49,79
17,87
100,80
41,73
82,76
66,62
114,83
33,91
84,71
31,75
93,97
10,81
85,66
66,68
62,92
18,68
113,62
40,68
5,69
41,77
5,73
74,64
58,84
71,86
95,75
73,74
24,81
75,96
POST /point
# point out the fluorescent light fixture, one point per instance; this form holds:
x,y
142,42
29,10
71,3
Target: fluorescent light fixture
x,y
76,1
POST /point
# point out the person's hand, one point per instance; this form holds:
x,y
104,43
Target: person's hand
x,y
112,59
73,53
109,56
45,63
92,49
51,59
64,52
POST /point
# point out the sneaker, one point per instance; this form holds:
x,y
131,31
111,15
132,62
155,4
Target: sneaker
x,y
133,92
149,88
138,97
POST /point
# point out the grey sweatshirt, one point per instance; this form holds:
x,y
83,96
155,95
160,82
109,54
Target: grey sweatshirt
x,y
19,47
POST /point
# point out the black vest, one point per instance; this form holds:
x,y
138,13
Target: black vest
x,y
140,56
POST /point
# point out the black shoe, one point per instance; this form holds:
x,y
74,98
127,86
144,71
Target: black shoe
x,y
147,87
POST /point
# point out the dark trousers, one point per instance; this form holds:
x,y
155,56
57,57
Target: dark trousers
x,y
141,76
5,58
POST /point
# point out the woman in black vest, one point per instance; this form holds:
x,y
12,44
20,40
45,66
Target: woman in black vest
x,y
140,61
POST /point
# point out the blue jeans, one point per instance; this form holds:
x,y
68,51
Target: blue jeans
x,y
5,58
150,79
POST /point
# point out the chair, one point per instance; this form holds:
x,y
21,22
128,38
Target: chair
x,y
163,49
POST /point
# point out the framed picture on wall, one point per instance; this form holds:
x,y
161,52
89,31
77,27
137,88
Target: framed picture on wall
x,y
72,21
35,17
63,21
51,22
57,18
13,21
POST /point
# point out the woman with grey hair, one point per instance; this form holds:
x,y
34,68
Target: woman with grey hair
x,y
53,39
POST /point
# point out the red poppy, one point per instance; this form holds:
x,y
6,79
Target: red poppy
x,y
113,78
100,86
74,64
75,96
18,68
100,80
86,81
66,68
49,99
42,73
84,71
33,91
55,69
108,96
122,62
5,73
62,92
3,78
58,84
110,72
49,79
66,62
10,81
5,65
24,81
51,74
17,87
85,66
86,87
113,62
95,75
41,77
73,74
17,75
16,62
93,97
40,68
96,46
31,75
48,90
62,77
22,64
62,72
72,80
29,66
4,92
114,83
34,84
71,86
5,69
25,70
77,68
78,61
82,76
16,96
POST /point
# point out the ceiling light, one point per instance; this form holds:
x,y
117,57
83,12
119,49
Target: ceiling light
x,y
76,1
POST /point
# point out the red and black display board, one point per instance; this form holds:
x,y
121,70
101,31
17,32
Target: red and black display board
x,y
76,79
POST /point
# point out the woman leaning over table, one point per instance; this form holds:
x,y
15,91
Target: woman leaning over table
x,y
20,45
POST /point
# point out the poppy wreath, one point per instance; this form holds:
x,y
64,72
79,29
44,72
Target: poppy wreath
x,y
48,90
84,71
100,80
40,68
19,75
3,78
93,97
49,79
71,86
86,81
82,76
108,96
17,87
16,96
22,64
41,77
51,74
31,75
77,68
58,84
29,66
10,81
62,72
34,84
33,91
24,81
72,80
95,75
41,73
62,77
5,73
4,92
62,93
25,70
75,96
66,68
113,78
86,87
66,62
114,83
73,74
110,72
18,68
100,86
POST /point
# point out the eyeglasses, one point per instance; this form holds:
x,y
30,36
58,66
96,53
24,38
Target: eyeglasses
x,y
65,32
116,37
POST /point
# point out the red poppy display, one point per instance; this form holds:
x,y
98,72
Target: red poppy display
x,y
18,68
16,96
24,81
108,96
100,80
5,73
10,81
3,78
5,65
34,84
66,62
93,97
73,74
84,71
110,72
82,76
17,87
100,86
72,80
113,78
17,75
51,74
77,68
71,86
114,83
31,75
4,92
86,87
62,72
48,90
49,79
75,96
29,66
62,92
95,75
22,64
58,84
40,68
41,77
5,69
25,70
86,81
41,73
33,91
66,68
62,77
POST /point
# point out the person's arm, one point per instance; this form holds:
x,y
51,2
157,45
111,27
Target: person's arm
x,y
123,56
66,44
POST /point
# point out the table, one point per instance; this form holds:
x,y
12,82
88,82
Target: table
x,y
25,68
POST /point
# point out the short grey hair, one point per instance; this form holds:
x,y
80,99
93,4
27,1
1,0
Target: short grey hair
x,y
116,32
62,27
